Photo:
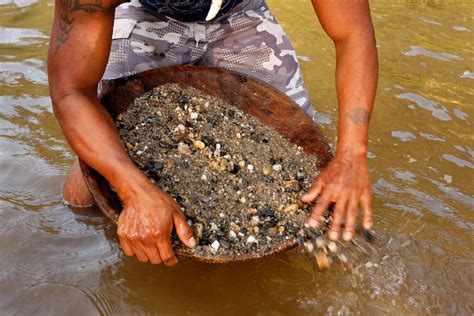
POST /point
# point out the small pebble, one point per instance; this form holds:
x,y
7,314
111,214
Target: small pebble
x,y
309,246
241,164
204,177
322,260
224,243
291,208
251,240
266,171
250,168
332,246
232,235
343,258
254,220
198,230
194,115
181,128
215,246
252,211
281,229
199,144
320,242
272,231
277,167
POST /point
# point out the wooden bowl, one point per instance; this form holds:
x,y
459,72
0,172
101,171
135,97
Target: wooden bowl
x,y
269,105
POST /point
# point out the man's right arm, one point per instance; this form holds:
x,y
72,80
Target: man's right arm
x,y
78,54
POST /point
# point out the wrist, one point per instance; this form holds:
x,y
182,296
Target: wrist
x,y
353,151
130,183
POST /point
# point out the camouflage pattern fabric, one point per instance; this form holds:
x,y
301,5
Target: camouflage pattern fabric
x,y
248,40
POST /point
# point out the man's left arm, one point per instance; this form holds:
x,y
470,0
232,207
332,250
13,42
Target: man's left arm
x,y
346,180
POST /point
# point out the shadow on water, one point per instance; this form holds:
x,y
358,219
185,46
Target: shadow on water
x,y
55,261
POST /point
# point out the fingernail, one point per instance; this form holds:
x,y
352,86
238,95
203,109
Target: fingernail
x,y
347,236
333,235
313,223
192,242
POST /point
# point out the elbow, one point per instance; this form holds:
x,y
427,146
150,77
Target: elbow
x,y
363,35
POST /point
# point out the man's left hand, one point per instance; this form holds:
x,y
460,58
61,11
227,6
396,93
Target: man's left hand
x,y
345,182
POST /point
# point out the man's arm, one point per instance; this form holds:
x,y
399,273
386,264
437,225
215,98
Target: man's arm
x,y
346,179
78,54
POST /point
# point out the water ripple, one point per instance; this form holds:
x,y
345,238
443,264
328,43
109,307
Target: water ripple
x,y
420,51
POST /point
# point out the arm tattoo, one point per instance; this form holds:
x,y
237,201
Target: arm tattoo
x,y
66,21
359,116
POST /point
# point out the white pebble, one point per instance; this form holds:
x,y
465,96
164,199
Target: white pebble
x,y
238,135
215,245
269,238
277,168
251,240
203,177
221,215
332,246
206,104
250,168
448,178
181,128
255,220
232,235
194,115
309,246
369,264
243,200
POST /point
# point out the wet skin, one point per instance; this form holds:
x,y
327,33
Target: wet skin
x,y
78,54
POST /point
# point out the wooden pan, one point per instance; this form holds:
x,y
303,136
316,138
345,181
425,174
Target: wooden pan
x,y
250,95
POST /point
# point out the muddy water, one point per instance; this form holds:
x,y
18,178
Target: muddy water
x,y
421,156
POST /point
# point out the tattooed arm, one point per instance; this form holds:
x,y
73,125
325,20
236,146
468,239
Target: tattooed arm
x,y
346,180
78,54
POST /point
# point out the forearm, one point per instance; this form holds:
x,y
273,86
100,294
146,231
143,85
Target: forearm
x,y
91,133
356,81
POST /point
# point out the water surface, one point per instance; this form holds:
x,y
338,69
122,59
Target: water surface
x,y
57,261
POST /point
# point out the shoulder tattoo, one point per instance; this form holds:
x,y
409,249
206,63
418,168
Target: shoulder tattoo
x,y
66,19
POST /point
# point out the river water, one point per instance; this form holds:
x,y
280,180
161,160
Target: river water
x,y
55,261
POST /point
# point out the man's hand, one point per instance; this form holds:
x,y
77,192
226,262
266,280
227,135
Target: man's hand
x,y
146,223
345,182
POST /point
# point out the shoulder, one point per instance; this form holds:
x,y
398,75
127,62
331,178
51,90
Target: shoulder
x,y
88,6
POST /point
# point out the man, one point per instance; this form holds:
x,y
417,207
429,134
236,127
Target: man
x,y
87,47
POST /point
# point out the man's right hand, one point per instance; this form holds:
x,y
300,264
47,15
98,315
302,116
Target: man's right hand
x,y
146,223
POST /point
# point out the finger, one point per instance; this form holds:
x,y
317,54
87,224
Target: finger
x,y
185,233
127,249
366,203
166,251
319,209
313,192
137,249
337,216
152,252
351,217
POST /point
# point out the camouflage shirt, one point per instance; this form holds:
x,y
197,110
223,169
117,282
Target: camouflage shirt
x,y
187,10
